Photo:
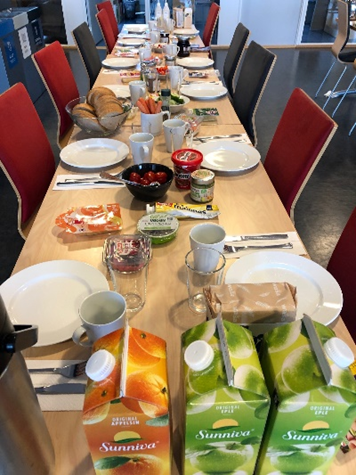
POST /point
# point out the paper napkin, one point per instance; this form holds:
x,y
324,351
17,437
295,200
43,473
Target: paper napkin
x,y
56,402
298,247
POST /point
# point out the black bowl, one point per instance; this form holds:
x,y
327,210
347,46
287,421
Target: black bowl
x,y
152,192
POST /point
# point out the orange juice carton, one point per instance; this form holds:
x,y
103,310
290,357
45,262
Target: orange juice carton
x,y
314,398
226,397
125,414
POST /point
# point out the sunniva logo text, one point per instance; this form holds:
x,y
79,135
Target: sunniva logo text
x,y
205,434
108,447
293,435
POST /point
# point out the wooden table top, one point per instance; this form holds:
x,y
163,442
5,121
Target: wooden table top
x,y
248,204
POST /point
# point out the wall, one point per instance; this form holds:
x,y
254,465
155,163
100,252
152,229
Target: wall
x,y
272,22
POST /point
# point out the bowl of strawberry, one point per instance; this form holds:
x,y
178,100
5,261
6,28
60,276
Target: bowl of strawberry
x,y
148,181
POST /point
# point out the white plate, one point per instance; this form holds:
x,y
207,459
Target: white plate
x,y
186,32
318,293
194,62
203,91
228,156
49,295
119,91
135,28
120,63
94,153
131,41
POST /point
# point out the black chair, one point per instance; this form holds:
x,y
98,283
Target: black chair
x,y
255,71
88,51
234,56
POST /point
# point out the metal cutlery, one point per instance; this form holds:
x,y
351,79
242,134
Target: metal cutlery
x,y
228,248
84,182
212,137
69,371
63,388
256,237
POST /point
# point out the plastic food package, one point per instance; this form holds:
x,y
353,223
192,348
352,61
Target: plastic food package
x,y
91,219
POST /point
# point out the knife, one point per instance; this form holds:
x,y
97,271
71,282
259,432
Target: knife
x,y
256,237
63,388
89,182
211,137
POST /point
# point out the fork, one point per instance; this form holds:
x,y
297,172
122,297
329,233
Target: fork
x,y
287,245
69,371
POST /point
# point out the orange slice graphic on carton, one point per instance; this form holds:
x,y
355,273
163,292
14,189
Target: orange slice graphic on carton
x,y
145,349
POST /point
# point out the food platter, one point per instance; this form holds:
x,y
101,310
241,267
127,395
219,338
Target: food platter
x,y
49,295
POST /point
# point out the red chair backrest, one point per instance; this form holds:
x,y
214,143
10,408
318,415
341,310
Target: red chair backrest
x,y
210,24
106,29
302,135
342,266
111,14
57,75
25,152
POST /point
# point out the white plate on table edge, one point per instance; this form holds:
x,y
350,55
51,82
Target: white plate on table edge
x,y
131,41
185,32
135,28
228,156
194,62
203,91
120,62
94,153
49,295
119,91
318,294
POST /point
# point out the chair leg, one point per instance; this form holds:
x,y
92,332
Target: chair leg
x,y
352,129
332,92
343,97
325,78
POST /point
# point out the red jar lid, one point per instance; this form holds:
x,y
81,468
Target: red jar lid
x,y
187,157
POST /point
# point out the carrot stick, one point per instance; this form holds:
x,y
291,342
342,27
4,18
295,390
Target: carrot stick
x,y
141,104
151,105
158,107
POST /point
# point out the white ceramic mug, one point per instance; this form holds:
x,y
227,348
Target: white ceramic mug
x,y
137,90
207,235
152,25
171,49
174,132
176,76
152,123
145,52
141,147
155,36
101,313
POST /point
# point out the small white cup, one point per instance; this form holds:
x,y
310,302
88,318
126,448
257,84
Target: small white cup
x,y
174,132
152,25
176,76
141,147
207,235
137,90
145,52
155,36
152,123
101,313
171,49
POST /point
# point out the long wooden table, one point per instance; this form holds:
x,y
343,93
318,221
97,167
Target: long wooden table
x,y
248,204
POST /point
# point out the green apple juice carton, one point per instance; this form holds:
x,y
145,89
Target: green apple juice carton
x,y
313,397
226,397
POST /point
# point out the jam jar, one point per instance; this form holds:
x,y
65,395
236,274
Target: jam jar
x,y
185,161
202,186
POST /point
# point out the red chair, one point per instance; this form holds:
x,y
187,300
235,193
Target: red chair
x,y
58,78
111,14
26,156
342,266
302,135
106,30
210,24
